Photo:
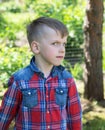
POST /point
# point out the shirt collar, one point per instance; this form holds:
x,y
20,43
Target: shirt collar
x,y
55,71
33,65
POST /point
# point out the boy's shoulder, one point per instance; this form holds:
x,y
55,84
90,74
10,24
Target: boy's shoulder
x,y
63,73
26,73
23,74
66,74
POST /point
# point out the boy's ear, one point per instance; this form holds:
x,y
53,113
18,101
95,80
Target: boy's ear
x,y
35,47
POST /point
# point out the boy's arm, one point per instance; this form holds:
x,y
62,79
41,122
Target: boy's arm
x,y
74,110
9,106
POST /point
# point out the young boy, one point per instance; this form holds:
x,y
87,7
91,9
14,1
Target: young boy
x,y
43,96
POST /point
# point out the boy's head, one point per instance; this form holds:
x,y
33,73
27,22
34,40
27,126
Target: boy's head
x,y
47,38
37,28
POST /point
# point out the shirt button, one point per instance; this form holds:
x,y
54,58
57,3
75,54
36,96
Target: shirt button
x,y
48,127
61,91
48,112
29,93
47,96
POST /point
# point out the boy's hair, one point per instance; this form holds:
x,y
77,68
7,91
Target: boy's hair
x,y
36,28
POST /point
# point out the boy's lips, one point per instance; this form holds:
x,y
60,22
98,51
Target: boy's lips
x,y
59,57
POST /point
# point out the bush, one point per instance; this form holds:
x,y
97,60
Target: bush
x,y
11,60
11,6
76,70
70,15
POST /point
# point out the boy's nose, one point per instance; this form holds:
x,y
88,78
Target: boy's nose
x,y
62,49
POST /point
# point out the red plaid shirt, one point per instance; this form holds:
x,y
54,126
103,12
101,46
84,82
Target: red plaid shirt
x,y
37,103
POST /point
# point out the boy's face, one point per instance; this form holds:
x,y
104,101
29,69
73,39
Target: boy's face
x,y
52,47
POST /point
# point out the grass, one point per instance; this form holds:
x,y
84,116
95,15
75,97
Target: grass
x,y
93,112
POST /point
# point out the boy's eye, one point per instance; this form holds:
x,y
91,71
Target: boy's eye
x,y
55,43
64,44
58,44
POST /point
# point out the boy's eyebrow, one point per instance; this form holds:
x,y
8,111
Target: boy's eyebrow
x,y
60,41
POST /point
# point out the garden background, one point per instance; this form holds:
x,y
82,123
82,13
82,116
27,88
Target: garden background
x,y
15,52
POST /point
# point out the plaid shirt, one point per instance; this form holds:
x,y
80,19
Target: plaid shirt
x,y
37,103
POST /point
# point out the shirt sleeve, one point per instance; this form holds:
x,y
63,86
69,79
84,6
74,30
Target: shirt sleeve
x,y
74,110
10,104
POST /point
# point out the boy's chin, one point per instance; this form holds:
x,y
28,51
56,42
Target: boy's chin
x,y
57,64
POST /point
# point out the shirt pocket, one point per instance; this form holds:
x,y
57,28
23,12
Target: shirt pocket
x,y
30,98
61,96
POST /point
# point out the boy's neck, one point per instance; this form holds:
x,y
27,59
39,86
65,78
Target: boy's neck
x,y
45,68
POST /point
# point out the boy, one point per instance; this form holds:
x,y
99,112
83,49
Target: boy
x,y
43,96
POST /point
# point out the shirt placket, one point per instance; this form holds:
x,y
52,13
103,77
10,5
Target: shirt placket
x,y
48,117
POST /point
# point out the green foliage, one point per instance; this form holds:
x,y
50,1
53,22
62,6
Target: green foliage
x,y
93,118
73,18
9,29
11,6
76,70
70,15
64,11
11,60
2,25
104,59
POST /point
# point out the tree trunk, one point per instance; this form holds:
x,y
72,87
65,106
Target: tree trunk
x,y
93,77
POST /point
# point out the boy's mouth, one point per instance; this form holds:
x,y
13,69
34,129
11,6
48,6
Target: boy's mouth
x,y
59,57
